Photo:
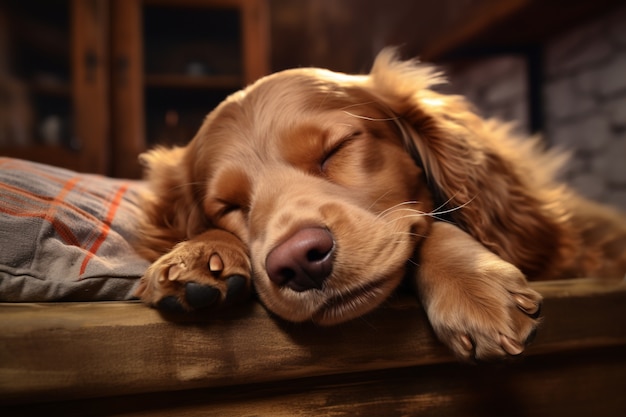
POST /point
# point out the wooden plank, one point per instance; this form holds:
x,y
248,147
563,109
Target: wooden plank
x,y
127,93
90,80
82,350
197,3
586,383
479,20
256,39
51,155
494,26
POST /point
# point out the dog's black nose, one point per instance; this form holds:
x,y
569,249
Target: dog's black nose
x,y
302,262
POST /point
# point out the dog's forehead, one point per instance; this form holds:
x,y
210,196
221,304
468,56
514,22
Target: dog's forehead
x,y
290,93
258,118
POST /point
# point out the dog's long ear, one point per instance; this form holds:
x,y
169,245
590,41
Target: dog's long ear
x,y
482,173
170,212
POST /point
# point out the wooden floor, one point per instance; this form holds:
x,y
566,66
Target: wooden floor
x,y
122,359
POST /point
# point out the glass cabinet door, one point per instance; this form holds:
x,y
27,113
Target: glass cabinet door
x,y
54,81
173,62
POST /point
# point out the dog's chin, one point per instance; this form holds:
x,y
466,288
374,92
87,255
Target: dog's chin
x,y
354,303
327,307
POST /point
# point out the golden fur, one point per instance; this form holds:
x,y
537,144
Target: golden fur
x,y
374,162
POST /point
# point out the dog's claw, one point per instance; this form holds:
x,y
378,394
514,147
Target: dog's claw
x,y
526,305
174,272
466,342
510,346
216,265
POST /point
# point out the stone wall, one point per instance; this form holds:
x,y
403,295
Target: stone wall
x,y
584,101
496,86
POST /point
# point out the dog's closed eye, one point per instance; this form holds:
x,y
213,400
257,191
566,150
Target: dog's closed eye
x,y
227,207
336,148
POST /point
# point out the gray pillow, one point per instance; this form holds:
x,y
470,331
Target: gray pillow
x,y
66,236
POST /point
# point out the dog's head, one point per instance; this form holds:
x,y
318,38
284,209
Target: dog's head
x,y
324,176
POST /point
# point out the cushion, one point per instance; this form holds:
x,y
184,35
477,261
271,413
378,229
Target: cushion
x,y
66,236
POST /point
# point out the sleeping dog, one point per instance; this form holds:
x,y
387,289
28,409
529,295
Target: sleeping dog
x,y
318,188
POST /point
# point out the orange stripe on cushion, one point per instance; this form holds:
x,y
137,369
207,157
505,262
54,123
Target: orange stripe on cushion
x,y
106,226
59,200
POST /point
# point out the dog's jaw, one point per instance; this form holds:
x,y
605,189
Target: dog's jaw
x,y
355,303
357,285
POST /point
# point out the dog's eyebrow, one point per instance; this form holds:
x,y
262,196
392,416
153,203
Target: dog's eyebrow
x,y
231,185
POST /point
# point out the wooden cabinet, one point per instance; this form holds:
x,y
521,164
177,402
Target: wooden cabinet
x,y
165,81
54,82
93,83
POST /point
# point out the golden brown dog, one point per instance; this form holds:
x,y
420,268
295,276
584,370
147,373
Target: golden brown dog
x,y
320,187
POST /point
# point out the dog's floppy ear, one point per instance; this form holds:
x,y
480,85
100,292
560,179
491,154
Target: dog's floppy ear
x,y
170,213
476,166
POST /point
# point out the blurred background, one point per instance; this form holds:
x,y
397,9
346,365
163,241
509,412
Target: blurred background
x,y
90,84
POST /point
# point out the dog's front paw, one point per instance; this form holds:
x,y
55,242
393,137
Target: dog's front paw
x,y
489,314
209,270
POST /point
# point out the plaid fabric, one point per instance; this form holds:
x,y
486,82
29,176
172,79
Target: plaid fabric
x,y
66,236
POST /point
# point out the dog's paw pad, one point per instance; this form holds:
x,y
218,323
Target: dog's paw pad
x,y
208,271
170,304
200,296
236,285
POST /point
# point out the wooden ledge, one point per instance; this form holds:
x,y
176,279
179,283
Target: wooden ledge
x,y
65,351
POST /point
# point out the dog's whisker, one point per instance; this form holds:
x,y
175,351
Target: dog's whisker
x,y
322,101
378,199
414,216
397,209
411,261
445,203
371,119
186,184
412,234
418,213
356,105
434,212
394,208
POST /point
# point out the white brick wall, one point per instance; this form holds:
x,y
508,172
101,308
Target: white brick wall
x,y
585,98
497,86
584,101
